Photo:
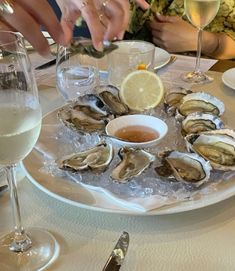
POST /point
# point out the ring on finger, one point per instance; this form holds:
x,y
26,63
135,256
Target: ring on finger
x,y
105,3
84,4
6,7
101,16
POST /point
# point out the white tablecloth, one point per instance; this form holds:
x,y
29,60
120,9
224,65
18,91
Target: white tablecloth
x,y
202,239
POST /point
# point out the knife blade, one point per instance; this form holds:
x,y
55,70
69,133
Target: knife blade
x,y
46,65
118,253
3,188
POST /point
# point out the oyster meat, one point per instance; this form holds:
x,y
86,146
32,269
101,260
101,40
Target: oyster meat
x,y
200,102
216,146
86,115
200,122
110,96
173,99
184,167
96,159
85,47
134,162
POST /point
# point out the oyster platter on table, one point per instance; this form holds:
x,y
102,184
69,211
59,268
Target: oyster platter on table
x,y
194,157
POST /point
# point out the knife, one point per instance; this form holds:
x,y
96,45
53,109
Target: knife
x,y
46,65
118,253
3,188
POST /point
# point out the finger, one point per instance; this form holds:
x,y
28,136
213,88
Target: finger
x,y
166,19
142,3
119,16
90,15
6,27
21,21
68,21
44,14
157,42
156,26
104,20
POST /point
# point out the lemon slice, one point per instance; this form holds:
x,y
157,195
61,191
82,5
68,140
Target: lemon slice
x,y
141,90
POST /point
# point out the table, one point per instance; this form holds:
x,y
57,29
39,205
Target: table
x,y
202,239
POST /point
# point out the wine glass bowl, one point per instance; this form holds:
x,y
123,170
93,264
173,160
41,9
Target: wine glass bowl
x,y
20,125
200,13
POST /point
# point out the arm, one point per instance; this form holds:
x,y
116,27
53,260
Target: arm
x,y
176,35
218,45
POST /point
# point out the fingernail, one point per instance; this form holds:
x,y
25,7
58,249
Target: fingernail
x,y
158,14
99,46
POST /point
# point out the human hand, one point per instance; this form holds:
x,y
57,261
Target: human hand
x,y
106,19
27,18
173,34
143,4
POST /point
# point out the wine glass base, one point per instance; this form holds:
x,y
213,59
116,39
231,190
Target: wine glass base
x,y
197,78
43,252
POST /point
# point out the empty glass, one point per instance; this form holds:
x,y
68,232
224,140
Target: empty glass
x,y
130,56
74,77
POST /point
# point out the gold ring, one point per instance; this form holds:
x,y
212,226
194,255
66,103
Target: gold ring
x,y
6,7
105,3
84,4
101,15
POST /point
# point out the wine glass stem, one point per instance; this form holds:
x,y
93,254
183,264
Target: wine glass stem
x,y
21,242
199,50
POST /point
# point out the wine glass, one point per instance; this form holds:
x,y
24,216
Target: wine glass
x,y
200,13
76,75
20,124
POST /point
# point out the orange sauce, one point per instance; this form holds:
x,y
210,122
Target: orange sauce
x,y
137,134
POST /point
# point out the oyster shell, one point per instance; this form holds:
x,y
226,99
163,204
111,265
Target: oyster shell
x,y
200,102
173,99
134,162
85,47
86,115
185,167
200,122
109,96
216,146
96,159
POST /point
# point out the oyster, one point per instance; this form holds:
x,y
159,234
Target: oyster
x,y
134,162
200,102
173,99
216,146
87,114
184,167
96,159
109,96
85,47
200,122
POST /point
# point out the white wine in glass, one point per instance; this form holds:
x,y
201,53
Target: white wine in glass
x,y
20,124
200,13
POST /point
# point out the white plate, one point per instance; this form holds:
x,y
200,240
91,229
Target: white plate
x,y
74,194
161,58
228,78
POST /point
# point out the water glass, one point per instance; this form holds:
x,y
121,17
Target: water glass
x,y
74,77
130,56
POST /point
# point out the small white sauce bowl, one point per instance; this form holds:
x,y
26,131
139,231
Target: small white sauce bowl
x,y
136,120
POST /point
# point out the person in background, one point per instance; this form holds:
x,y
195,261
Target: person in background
x,y
168,28
106,20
